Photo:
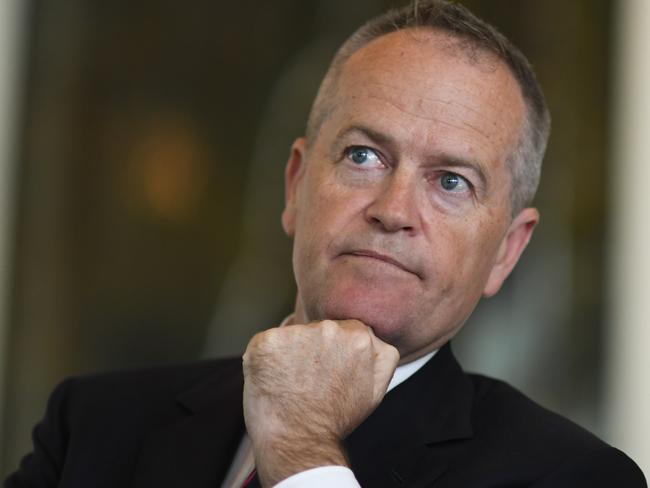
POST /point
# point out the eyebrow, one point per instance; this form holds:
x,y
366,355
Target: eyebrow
x,y
382,139
373,135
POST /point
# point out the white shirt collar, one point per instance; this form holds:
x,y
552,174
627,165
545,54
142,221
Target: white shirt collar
x,y
403,372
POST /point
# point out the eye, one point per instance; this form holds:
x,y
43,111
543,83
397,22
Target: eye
x,y
453,182
363,156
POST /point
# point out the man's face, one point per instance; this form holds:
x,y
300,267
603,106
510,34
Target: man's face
x,y
400,208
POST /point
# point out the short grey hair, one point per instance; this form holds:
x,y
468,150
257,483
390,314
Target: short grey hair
x,y
525,162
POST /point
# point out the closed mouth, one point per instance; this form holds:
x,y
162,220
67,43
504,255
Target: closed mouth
x,y
381,257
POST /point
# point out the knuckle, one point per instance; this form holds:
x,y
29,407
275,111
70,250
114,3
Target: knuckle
x,y
329,328
261,343
270,337
329,324
360,339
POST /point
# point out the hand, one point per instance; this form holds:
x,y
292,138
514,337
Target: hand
x,y
306,387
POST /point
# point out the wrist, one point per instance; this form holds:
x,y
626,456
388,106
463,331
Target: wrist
x,y
280,458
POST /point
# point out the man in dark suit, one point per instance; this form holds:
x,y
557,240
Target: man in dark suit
x,y
408,200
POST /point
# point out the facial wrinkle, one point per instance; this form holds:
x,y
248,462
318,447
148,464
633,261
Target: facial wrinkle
x,y
463,126
424,97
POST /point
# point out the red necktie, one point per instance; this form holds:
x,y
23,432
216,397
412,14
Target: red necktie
x,y
249,478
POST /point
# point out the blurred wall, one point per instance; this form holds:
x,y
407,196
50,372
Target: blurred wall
x,y
150,187
12,34
628,270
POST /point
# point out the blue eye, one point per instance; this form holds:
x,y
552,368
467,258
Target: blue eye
x,y
453,182
362,156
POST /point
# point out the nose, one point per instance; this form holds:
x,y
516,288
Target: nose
x,y
394,207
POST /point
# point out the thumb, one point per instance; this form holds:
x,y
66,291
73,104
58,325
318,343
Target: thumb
x,y
386,359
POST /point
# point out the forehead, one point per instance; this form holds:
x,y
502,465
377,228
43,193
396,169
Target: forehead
x,y
434,86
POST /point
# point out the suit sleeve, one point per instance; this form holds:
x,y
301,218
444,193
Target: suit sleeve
x,y
603,468
43,466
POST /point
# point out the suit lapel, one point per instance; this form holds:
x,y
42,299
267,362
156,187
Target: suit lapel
x,y
196,448
410,439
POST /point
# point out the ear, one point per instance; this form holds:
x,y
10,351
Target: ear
x,y
292,176
512,245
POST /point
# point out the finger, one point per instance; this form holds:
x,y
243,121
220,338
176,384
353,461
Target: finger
x,y
386,359
352,324
386,351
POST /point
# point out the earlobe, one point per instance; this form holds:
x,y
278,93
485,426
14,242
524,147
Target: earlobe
x,y
292,176
512,246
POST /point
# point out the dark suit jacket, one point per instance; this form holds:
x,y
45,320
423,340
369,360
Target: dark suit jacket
x,y
180,426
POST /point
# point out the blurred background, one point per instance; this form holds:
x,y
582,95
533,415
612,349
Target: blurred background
x,y
142,147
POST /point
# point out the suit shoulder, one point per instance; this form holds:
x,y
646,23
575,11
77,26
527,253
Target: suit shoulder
x,y
503,412
170,377
93,418
522,433
142,388
602,467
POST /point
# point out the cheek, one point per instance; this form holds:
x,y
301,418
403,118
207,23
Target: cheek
x,y
462,251
322,216
328,206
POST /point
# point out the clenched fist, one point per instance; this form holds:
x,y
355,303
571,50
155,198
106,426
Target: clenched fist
x,y
306,388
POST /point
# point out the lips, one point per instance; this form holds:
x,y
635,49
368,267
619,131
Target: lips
x,y
381,257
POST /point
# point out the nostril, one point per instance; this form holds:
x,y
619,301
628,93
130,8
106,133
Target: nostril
x,y
392,223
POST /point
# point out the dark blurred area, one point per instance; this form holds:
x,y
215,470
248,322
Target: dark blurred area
x,y
152,138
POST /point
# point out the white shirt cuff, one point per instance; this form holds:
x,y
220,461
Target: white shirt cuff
x,y
321,477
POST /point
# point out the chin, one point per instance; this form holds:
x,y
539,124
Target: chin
x,y
390,309
388,320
